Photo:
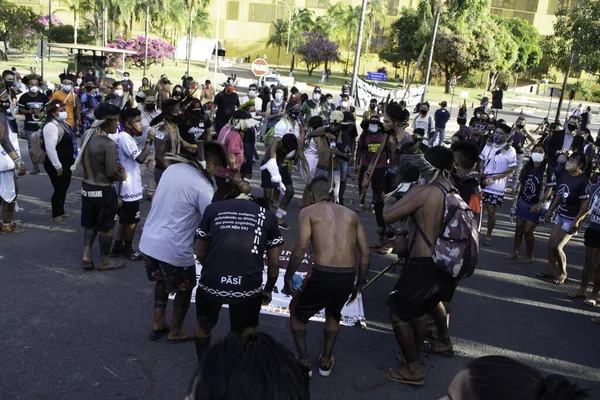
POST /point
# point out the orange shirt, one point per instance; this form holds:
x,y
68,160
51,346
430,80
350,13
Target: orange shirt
x,y
71,100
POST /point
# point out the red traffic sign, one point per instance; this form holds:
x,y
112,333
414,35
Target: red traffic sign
x,y
260,67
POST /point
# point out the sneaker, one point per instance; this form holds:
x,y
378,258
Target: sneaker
x,y
327,371
372,207
283,225
360,208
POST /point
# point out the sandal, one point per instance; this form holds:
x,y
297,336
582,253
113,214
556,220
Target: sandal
x,y
429,348
325,370
511,256
394,375
10,228
545,275
117,265
560,281
524,260
87,265
590,302
58,221
575,295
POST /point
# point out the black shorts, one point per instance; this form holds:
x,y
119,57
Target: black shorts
x,y
591,238
494,200
241,315
420,288
323,288
98,207
129,213
246,167
176,278
265,176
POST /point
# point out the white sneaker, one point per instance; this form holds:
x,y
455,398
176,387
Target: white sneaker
x,y
326,372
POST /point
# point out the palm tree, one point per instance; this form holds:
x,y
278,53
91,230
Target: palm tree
x,y
193,7
77,7
352,21
375,16
333,24
279,36
302,22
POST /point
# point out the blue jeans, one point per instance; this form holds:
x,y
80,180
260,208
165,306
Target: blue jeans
x,y
442,132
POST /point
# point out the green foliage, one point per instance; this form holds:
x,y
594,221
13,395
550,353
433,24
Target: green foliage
x,y
527,38
64,34
580,87
406,39
469,81
596,94
19,28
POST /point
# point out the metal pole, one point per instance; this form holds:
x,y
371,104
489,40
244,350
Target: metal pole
x,y
358,46
550,106
189,45
146,36
287,49
452,99
217,39
432,46
564,87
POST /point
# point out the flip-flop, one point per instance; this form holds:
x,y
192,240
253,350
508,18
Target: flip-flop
x,y
182,340
526,260
559,281
511,257
401,379
87,265
487,242
429,348
575,295
545,275
590,302
117,265
155,335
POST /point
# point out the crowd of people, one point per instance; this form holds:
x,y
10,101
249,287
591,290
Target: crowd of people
x,y
190,150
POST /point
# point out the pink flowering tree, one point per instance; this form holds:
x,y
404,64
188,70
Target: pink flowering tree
x,y
316,49
158,51
43,20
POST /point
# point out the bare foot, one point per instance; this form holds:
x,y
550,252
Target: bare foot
x,y
560,280
511,256
526,260
111,265
160,327
184,334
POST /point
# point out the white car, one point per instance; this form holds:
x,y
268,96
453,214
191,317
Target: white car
x,y
268,80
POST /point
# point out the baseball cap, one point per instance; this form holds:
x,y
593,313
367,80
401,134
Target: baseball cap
x,y
317,89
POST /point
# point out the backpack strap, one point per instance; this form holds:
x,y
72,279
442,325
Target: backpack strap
x,y
445,191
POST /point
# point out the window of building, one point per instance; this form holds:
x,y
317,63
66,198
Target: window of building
x,y
553,6
520,5
393,6
233,10
266,13
317,3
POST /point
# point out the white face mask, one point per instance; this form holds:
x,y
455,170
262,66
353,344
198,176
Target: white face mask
x,y
316,97
62,115
108,76
537,157
67,88
79,80
251,93
118,93
125,78
34,89
344,103
278,96
330,101
373,128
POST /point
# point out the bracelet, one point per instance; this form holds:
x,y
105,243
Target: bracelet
x,y
149,141
18,160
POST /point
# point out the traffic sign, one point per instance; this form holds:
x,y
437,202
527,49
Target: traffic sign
x,y
377,76
260,67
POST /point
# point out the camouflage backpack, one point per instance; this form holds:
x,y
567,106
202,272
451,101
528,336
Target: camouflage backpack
x,y
456,250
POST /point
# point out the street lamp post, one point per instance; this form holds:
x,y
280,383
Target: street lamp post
x,y
146,37
361,24
287,49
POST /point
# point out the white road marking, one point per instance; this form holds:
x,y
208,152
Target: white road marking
x,y
48,228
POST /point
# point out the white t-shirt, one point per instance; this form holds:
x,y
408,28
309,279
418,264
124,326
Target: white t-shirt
x,y
496,164
127,152
177,208
424,123
285,127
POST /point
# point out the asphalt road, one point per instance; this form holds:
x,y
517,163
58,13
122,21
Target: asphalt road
x,y
70,334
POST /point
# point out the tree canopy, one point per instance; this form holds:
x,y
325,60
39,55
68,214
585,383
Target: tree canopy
x,y
19,27
315,50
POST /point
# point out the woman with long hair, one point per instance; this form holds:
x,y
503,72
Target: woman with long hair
x,y
276,107
195,125
533,193
60,144
571,205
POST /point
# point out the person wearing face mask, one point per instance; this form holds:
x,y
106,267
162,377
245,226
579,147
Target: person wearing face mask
x,y
32,105
90,76
99,208
479,127
345,104
345,93
90,98
70,98
368,144
560,144
534,192
168,137
571,205
252,96
520,135
372,110
208,92
60,144
195,124
149,112
79,80
145,85
584,143
500,378
106,83
11,164
275,108
119,97
498,161
424,121
422,285
127,84
314,107
130,190
225,103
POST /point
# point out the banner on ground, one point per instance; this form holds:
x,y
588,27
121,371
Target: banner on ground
x,y
366,91
351,315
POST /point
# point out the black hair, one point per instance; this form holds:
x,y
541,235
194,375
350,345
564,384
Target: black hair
x,y
227,191
304,97
505,128
578,143
176,88
294,90
395,113
252,85
315,122
459,136
254,367
440,157
213,151
501,378
529,166
284,89
575,117
289,142
466,153
7,72
344,95
117,83
129,113
50,115
581,158
373,100
319,187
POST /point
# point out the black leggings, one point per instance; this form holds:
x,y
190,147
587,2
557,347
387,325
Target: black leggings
x,y
61,186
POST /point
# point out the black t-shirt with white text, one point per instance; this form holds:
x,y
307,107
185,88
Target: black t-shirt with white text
x,y
239,231
29,102
531,184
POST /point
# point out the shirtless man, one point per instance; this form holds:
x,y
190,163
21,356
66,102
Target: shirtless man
x,y
333,145
276,174
335,232
98,195
422,285
170,141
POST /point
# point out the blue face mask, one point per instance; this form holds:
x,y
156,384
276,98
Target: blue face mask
x,y
498,139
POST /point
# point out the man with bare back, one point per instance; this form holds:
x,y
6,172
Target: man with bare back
x,y
335,233
422,285
98,195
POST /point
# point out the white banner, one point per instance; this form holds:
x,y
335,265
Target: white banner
x,y
366,91
351,315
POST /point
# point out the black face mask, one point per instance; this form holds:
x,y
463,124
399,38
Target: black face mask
x,y
571,127
373,106
150,107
